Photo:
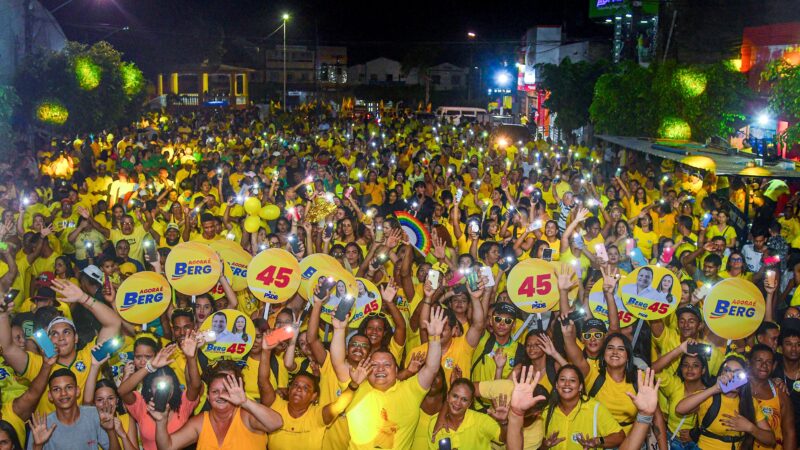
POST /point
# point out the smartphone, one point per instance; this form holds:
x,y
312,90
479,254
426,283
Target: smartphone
x,y
11,295
629,245
666,254
348,191
294,243
3,246
486,272
699,349
736,382
472,279
459,195
379,233
637,257
280,334
444,444
126,357
208,335
600,251
44,342
706,220
578,240
433,277
162,394
150,251
108,348
547,254
474,227
344,307
89,248
326,287
576,315
772,260
770,275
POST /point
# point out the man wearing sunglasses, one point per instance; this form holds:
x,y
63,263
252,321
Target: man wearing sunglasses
x,y
499,339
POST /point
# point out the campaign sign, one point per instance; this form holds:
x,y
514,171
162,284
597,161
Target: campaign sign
x,y
309,267
143,297
229,334
597,302
532,286
273,275
192,268
368,300
650,292
236,259
734,308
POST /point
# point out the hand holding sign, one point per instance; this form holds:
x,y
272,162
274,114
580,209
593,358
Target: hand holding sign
x,y
532,286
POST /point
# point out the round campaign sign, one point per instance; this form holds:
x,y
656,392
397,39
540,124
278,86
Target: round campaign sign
x,y
734,308
312,264
217,292
143,297
192,268
338,280
650,292
229,335
368,300
236,259
532,286
273,275
597,302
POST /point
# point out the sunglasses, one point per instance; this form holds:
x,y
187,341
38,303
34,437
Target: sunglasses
x,y
363,345
506,320
598,335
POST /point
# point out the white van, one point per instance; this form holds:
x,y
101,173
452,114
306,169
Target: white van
x,y
461,114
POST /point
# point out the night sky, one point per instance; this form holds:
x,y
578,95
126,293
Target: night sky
x,y
368,28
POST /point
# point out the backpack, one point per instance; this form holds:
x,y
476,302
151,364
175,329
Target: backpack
x,y
708,419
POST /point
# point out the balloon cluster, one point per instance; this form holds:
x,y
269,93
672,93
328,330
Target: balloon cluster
x,y
255,212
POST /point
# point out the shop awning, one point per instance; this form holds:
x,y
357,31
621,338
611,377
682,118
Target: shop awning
x,y
725,164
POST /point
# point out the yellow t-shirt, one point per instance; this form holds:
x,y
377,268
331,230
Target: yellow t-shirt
x,y
80,367
307,429
134,240
421,436
16,423
645,241
580,420
392,415
459,353
533,434
674,391
729,233
612,394
477,430
729,406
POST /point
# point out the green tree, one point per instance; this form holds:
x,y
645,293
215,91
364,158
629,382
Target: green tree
x,y
8,102
784,96
571,87
670,100
80,88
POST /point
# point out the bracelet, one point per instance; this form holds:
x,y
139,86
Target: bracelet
x,y
149,367
641,418
352,386
434,338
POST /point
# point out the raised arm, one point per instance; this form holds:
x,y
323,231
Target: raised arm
x,y
162,359
357,376
13,355
433,360
388,293
194,384
24,405
478,319
339,350
574,354
110,321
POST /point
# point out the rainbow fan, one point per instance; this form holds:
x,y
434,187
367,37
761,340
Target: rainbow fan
x,y
418,235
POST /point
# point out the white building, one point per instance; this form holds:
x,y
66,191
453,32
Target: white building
x,y
377,71
45,33
444,77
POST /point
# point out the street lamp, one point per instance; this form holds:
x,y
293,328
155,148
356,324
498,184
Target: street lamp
x,y
471,37
285,18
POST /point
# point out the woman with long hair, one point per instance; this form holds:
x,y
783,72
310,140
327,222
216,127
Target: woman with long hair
x,y
464,427
570,415
737,421
239,329
692,376
664,288
543,356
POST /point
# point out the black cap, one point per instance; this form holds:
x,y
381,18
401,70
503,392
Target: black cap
x,y
595,324
505,308
44,293
690,309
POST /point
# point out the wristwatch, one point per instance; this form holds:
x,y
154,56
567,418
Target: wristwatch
x,y
352,386
602,441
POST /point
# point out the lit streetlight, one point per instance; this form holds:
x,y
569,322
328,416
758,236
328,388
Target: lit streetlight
x,y
285,18
471,35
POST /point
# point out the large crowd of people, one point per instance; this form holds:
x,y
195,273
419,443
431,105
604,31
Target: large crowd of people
x,y
448,361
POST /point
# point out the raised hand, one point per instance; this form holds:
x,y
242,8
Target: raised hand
x,y
551,441
500,358
191,342
68,291
106,417
340,324
234,391
566,277
95,362
499,408
546,344
416,362
39,430
436,323
162,358
439,248
610,278
389,291
455,374
158,416
646,400
360,372
522,397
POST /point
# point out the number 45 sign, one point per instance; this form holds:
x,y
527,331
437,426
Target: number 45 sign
x,y
273,275
532,286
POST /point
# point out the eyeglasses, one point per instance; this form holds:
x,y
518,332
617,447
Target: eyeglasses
x,y
736,258
363,345
506,320
597,335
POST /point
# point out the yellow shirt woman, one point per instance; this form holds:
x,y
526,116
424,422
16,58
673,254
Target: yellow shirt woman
x,y
729,406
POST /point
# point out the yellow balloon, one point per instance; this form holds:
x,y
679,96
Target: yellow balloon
x,y
252,224
252,205
269,212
